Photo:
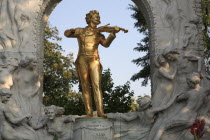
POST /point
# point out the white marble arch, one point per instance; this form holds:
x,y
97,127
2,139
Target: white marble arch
x,y
22,24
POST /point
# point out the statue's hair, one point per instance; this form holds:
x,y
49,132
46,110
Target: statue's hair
x,y
58,110
158,60
145,102
25,62
195,74
173,51
90,14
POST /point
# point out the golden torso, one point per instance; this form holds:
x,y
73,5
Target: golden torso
x,y
88,42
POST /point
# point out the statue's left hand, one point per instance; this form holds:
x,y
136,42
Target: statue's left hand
x,y
117,29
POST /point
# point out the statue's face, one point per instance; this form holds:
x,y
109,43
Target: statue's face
x,y
5,98
162,61
193,81
33,65
50,114
95,19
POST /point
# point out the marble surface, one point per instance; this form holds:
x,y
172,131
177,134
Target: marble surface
x,y
93,129
179,80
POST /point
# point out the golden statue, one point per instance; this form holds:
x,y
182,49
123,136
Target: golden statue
x,y
88,64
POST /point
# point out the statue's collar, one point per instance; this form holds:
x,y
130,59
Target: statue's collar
x,y
90,28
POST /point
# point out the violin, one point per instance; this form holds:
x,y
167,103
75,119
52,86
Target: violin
x,y
110,29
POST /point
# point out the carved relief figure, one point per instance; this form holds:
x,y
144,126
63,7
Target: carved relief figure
x,y
88,63
10,64
23,26
141,121
8,36
15,27
190,35
194,99
165,84
56,124
8,121
24,33
144,119
188,62
174,19
27,85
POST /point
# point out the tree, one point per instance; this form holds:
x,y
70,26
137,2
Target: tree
x,y
59,74
116,99
74,104
142,46
206,22
206,32
134,105
120,99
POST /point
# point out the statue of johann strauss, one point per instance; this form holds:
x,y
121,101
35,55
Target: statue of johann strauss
x,y
88,63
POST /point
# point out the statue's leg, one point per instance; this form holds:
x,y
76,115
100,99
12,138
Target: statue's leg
x,y
95,74
84,78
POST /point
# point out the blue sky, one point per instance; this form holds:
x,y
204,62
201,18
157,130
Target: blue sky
x,y
71,14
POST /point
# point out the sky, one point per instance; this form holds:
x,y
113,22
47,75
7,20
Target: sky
x,y
71,14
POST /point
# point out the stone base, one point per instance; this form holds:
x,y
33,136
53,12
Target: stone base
x,y
93,129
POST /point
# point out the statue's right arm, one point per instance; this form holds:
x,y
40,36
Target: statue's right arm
x,y
131,117
70,118
122,116
72,32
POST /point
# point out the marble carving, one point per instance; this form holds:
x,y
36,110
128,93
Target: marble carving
x,y
180,80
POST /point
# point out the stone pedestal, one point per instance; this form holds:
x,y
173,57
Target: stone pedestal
x,y
93,129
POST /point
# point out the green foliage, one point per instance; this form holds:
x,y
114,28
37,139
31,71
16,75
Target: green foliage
x,y
75,104
120,99
134,105
143,46
59,73
206,22
116,99
55,138
206,32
